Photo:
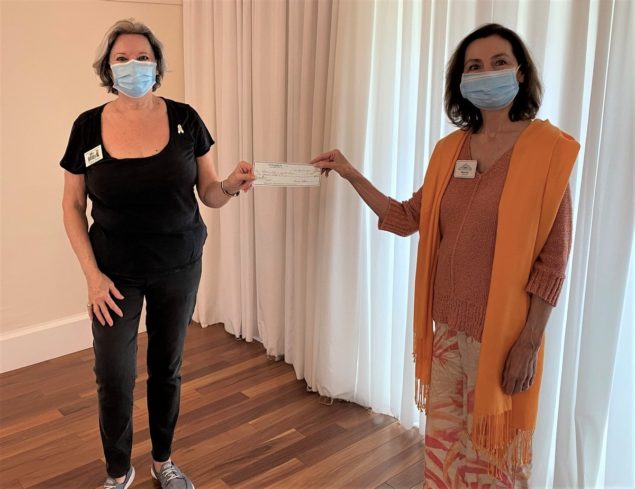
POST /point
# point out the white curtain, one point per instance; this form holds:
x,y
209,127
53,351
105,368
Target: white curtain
x,y
306,272
257,72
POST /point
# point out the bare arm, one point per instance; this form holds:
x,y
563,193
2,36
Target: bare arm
x,y
208,185
520,366
335,160
377,201
76,224
545,283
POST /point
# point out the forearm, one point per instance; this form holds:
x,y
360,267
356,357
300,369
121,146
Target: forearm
x,y
377,201
539,312
76,225
213,196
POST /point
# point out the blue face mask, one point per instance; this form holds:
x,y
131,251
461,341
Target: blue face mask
x,y
134,78
490,90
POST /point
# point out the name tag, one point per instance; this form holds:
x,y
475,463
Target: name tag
x,y
93,155
465,169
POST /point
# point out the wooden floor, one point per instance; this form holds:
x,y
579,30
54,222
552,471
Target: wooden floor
x,y
245,422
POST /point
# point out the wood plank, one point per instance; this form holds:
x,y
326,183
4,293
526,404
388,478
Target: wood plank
x,y
391,458
271,476
34,420
340,467
246,422
409,477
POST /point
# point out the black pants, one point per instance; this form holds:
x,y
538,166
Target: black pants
x,y
170,300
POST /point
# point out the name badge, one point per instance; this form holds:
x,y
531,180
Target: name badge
x,y
93,155
465,169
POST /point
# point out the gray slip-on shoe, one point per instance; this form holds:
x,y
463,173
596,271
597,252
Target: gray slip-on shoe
x,y
171,477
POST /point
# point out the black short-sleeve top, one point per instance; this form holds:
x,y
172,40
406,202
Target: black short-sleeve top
x,y
145,214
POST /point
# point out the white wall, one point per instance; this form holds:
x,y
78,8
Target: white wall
x,y
46,79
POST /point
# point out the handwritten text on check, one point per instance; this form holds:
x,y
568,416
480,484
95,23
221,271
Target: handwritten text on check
x,y
279,174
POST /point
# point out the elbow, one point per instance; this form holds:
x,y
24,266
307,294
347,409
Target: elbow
x,y
209,202
402,232
205,196
397,226
408,232
73,208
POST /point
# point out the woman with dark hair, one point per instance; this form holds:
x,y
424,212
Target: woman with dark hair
x,y
138,158
494,217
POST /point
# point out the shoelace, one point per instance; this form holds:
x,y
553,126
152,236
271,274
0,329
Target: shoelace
x,y
110,486
170,473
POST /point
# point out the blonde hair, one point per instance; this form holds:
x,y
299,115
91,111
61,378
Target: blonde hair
x,y
127,26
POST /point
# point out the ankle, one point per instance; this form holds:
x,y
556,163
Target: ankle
x,y
159,465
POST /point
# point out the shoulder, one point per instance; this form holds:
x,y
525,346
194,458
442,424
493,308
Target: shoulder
x,y
543,134
444,155
183,112
175,104
180,108
449,145
542,141
87,125
453,138
89,116
544,130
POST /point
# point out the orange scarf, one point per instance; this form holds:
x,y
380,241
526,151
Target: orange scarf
x,y
539,170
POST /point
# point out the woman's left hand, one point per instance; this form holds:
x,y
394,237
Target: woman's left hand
x,y
241,178
520,367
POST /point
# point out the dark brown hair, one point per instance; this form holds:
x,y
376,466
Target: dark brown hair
x,y
128,26
461,112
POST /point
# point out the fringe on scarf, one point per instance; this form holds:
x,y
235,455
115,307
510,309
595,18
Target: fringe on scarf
x,y
421,395
505,448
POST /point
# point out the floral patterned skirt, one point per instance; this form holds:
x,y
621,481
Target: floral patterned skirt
x,y
451,461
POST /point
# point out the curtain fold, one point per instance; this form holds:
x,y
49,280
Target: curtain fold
x,y
307,273
602,262
263,97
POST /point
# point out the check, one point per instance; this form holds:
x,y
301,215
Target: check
x,y
279,174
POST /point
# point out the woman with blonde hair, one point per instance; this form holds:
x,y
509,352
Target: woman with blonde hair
x,y
138,158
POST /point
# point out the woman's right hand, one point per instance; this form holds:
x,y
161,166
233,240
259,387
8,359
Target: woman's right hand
x,y
333,160
100,301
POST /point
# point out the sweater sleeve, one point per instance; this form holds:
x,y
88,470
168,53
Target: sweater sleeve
x,y
547,274
402,218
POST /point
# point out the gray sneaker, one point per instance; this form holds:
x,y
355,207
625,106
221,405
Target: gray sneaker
x,y
111,483
171,477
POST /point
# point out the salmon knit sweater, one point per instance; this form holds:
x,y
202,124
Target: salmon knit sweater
x,y
468,222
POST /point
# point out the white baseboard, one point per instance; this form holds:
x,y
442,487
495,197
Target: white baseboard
x,y
44,341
